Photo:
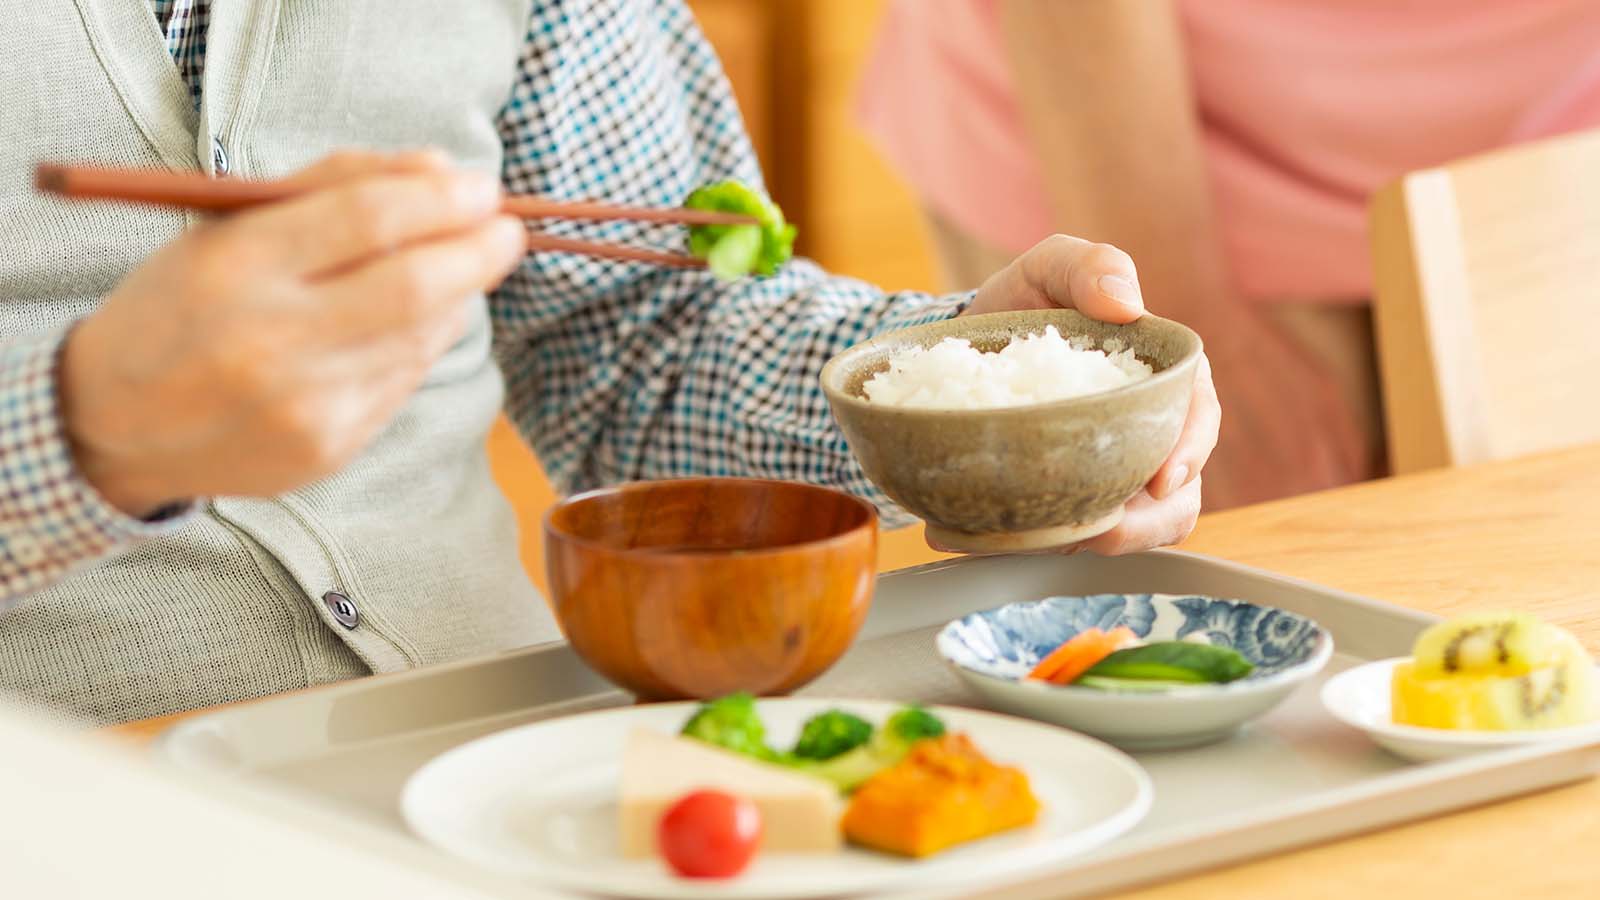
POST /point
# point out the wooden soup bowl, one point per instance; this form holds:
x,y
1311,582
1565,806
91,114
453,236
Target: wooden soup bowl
x,y
701,587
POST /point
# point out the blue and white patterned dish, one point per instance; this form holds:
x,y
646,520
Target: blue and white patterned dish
x,y
993,650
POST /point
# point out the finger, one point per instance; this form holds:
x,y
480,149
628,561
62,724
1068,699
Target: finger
x,y
422,285
409,354
1148,523
331,229
352,415
1196,441
384,397
347,165
1098,280
369,384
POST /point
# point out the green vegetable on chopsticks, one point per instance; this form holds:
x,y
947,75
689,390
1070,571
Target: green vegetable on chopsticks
x,y
1170,661
734,251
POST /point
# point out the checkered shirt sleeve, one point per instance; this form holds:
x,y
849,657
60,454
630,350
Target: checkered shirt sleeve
x,y
615,371
51,520
618,371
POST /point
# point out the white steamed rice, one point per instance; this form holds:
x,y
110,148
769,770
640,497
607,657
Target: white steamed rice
x,y
952,374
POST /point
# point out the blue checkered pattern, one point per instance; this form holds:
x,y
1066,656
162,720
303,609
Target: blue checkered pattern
x,y
184,24
621,371
615,371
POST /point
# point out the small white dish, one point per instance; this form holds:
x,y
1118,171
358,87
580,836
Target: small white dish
x,y
993,650
539,801
1360,698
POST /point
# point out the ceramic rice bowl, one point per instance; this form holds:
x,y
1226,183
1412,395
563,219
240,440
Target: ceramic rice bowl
x,y
1023,477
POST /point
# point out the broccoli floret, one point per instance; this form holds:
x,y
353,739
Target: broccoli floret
x,y
912,724
731,723
829,734
835,746
891,744
733,251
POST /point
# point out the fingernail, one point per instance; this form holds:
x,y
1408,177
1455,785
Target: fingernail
x,y
1122,290
477,192
1177,478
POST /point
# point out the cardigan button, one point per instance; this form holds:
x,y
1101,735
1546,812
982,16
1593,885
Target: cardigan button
x,y
219,158
344,611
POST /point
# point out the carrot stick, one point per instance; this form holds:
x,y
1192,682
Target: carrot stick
x,y
1069,648
1106,645
1078,655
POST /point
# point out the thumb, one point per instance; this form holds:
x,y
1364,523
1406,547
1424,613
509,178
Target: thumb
x,y
1097,280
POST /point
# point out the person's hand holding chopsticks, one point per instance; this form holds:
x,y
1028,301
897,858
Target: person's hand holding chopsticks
x,y
262,351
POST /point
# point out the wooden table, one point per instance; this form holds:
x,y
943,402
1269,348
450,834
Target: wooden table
x,y
1524,534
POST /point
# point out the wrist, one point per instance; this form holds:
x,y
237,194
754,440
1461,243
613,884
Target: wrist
x,y
118,477
134,494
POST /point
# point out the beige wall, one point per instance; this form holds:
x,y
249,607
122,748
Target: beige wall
x,y
793,64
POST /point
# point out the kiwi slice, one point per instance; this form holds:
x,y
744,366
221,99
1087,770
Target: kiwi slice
x,y
1541,694
1550,696
1486,643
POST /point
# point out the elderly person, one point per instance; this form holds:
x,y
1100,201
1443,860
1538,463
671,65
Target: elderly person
x,y
246,456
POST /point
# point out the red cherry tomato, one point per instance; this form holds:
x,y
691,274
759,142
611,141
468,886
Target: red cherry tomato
x,y
710,834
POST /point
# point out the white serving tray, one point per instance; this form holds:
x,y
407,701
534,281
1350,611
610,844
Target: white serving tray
x,y
1293,778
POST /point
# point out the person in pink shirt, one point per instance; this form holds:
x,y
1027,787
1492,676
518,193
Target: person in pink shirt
x,y
1230,146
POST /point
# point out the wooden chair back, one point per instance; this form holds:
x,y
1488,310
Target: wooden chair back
x,y
1487,304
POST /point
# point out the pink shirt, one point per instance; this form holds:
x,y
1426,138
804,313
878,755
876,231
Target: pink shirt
x,y
1307,107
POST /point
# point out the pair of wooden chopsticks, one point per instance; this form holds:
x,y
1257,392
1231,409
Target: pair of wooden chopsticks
x,y
195,191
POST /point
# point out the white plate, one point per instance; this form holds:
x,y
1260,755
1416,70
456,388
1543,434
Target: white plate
x,y
1359,698
539,801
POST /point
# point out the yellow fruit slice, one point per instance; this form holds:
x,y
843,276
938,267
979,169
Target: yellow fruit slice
x,y
1549,696
1486,643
